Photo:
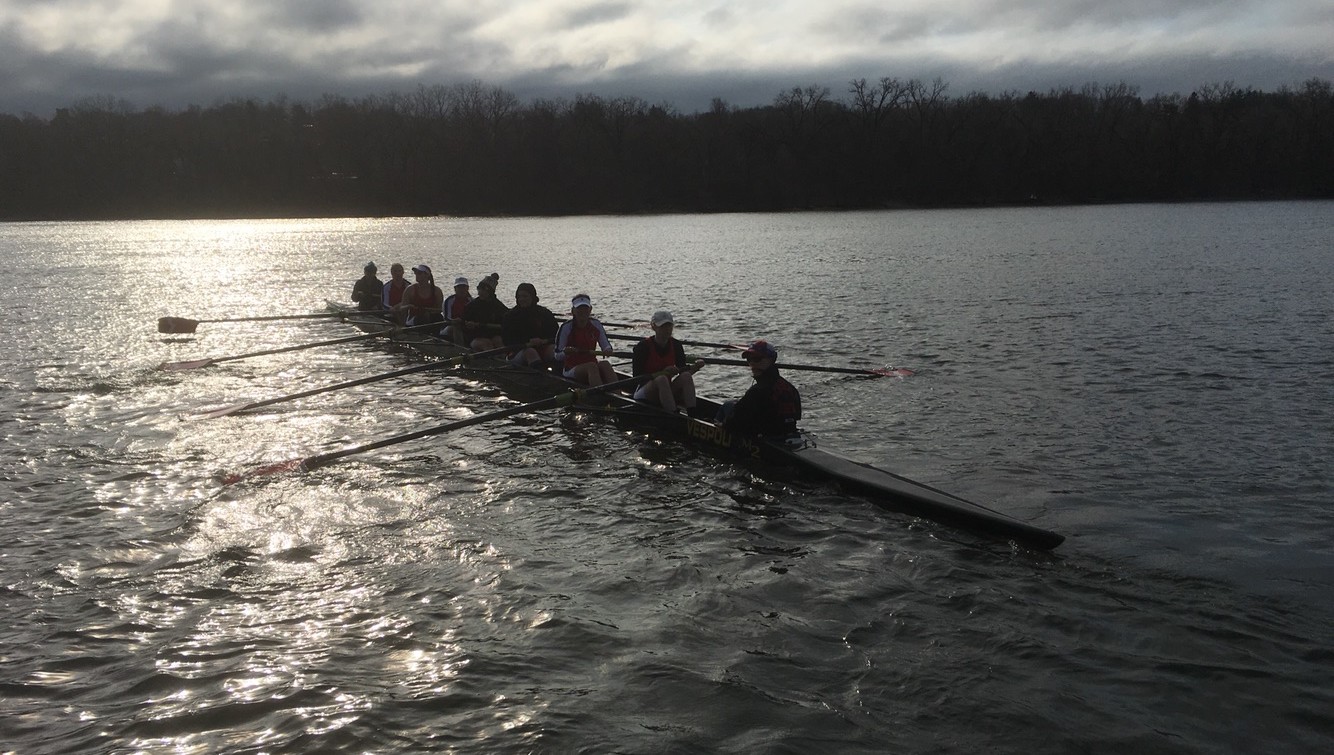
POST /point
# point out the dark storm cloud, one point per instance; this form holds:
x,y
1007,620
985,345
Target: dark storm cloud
x,y
321,16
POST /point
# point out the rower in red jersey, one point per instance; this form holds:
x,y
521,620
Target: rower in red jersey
x,y
392,294
674,386
580,341
423,300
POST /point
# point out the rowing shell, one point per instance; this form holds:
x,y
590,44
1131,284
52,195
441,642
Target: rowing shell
x,y
890,490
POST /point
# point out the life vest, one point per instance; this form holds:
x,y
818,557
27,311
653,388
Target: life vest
x,y
420,305
586,339
393,291
659,360
455,305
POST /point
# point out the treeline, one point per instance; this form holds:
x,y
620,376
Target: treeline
x,y
474,149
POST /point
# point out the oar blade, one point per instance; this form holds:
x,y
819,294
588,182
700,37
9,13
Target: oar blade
x,y
193,364
176,325
282,467
899,372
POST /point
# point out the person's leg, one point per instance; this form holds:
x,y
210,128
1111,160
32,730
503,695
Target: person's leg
x,y
662,389
588,374
683,386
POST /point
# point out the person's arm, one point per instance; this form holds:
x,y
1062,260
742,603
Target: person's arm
x,y
744,414
639,358
562,338
512,330
681,364
549,326
602,339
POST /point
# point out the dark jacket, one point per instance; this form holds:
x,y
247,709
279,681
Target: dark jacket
x,y
522,323
366,292
771,407
489,313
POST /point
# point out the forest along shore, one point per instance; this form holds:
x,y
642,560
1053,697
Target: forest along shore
x,y
475,150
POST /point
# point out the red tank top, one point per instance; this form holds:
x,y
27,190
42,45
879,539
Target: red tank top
x,y
422,304
658,360
456,306
586,340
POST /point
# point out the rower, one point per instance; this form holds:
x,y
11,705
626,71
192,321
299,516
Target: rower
x,y
772,406
531,328
423,300
483,316
394,287
579,342
674,385
368,289
453,309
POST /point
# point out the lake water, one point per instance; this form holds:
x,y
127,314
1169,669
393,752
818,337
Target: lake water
x,y
1154,382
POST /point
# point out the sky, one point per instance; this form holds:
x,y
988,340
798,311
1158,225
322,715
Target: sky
x,y
685,53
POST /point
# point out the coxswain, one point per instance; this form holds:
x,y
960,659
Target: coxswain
x,y
368,290
579,342
673,387
455,305
394,287
483,317
772,406
530,328
423,300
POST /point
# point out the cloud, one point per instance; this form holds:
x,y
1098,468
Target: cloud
x,y
178,52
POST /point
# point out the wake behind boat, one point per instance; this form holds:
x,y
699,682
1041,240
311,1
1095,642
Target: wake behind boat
x,y
887,489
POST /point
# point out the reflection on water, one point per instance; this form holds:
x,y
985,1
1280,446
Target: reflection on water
x,y
1150,381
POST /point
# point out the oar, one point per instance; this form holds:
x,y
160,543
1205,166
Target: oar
x,y
702,344
186,325
881,372
320,460
451,362
198,363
